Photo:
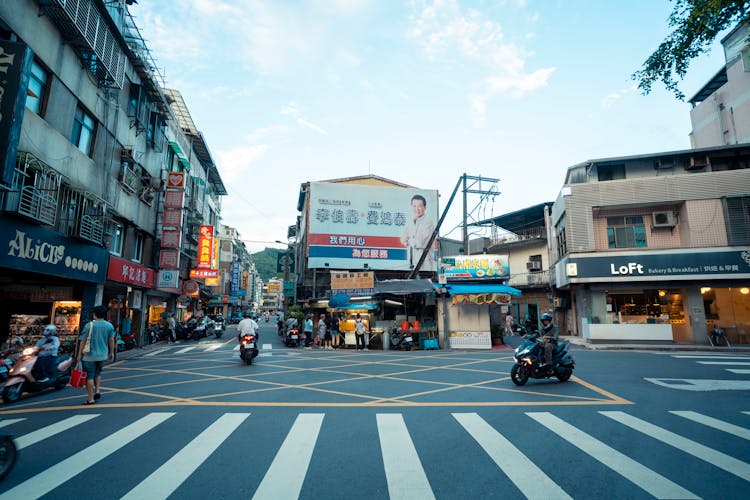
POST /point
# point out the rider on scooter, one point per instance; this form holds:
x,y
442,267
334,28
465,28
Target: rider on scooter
x,y
48,345
550,334
247,326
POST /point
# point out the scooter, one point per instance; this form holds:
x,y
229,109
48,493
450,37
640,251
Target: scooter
x,y
8,454
201,329
25,375
185,330
402,341
529,361
292,337
248,350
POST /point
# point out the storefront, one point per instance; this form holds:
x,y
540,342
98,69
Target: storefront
x,y
660,297
465,309
46,278
125,295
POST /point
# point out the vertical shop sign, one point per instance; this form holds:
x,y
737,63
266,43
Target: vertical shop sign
x,y
15,65
235,271
205,247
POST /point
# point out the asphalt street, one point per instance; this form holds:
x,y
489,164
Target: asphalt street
x,y
190,420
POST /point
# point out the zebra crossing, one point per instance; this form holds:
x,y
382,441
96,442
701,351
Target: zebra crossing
x,y
404,460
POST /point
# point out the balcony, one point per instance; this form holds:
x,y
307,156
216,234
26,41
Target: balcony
x,y
35,191
531,234
530,280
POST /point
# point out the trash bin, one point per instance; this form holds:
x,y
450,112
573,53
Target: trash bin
x,y
386,340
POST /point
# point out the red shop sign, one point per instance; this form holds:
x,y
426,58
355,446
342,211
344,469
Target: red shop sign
x,y
129,272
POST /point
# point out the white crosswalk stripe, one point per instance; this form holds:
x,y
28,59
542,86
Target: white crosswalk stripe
x,y
167,478
708,356
10,421
48,480
716,458
154,353
642,476
733,363
715,423
527,477
403,470
739,371
213,347
294,455
51,430
400,450
186,349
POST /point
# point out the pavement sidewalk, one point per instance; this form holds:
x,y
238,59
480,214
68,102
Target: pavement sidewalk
x,y
581,342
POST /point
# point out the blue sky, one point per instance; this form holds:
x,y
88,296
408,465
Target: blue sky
x,y
415,91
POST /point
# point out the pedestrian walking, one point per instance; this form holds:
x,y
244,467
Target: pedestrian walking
x,y
308,331
360,330
96,343
322,331
509,324
172,327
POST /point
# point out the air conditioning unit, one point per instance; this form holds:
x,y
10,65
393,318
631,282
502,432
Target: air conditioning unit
x,y
534,265
663,219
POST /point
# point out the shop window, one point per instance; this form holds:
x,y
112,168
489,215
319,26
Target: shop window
x,y
610,172
37,91
626,232
648,306
138,247
727,309
738,219
84,127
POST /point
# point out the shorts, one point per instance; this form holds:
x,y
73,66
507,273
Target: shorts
x,y
93,369
328,336
335,333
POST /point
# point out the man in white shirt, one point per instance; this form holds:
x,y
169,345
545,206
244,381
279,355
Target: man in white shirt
x,y
417,233
247,326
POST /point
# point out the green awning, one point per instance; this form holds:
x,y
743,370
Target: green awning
x,y
175,147
184,162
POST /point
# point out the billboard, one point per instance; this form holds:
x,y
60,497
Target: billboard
x,y
205,247
387,228
482,266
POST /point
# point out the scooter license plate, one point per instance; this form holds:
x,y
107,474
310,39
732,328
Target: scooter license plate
x,y
408,339
250,345
295,337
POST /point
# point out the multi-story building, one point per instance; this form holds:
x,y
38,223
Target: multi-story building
x,y
272,296
237,274
84,158
656,247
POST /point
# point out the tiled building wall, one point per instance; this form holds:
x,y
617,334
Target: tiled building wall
x,y
656,237
705,226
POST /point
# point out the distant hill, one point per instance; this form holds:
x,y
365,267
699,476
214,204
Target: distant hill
x,y
265,263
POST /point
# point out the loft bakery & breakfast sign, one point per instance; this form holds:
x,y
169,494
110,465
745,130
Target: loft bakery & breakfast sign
x,y
733,263
40,250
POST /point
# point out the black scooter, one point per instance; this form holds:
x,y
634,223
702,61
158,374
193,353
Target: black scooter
x,y
292,337
529,361
8,454
248,349
402,341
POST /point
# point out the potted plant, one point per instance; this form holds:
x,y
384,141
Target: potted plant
x,y
496,334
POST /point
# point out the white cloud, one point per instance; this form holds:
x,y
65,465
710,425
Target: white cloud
x,y
367,85
445,31
610,99
292,110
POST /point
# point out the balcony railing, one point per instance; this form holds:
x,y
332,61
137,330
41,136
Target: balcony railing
x,y
37,205
522,280
534,233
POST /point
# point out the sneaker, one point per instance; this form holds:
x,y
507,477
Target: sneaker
x,y
45,379
365,349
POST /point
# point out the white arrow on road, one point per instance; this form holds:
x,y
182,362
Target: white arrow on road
x,y
687,384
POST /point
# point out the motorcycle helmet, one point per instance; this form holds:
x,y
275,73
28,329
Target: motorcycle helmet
x,y
50,330
546,317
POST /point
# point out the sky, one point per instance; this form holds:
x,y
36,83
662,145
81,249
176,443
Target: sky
x,y
415,91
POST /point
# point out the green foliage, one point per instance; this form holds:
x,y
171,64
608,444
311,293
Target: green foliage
x,y
265,263
695,23
296,312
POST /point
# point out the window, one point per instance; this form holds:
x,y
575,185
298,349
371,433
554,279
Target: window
x,y
138,247
37,88
626,232
116,231
562,243
610,172
83,131
738,219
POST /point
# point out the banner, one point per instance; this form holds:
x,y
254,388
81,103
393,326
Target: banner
x,y
235,272
125,271
349,281
481,298
205,247
383,227
15,67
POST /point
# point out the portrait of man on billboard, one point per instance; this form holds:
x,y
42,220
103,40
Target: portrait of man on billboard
x,y
417,233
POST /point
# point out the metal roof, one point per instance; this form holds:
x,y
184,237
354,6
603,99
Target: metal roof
x,y
712,86
524,218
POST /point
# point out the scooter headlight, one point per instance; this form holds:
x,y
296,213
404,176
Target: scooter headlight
x,y
27,351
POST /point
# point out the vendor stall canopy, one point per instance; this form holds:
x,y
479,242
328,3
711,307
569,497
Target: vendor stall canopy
x,y
404,287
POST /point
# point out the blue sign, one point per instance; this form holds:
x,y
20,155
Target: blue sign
x,y
27,247
236,274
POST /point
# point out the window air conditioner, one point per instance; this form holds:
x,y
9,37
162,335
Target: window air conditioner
x,y
663,219
534,265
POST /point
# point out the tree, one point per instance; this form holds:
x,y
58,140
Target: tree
x,y
696,25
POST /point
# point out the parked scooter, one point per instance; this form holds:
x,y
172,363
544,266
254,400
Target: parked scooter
x,y
248,349
529,360
402,341
185,330
202,327
25,375
8,454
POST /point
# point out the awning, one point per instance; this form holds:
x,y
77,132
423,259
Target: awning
x,y
360,307
482,288
404,287
175,147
